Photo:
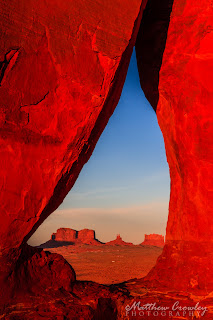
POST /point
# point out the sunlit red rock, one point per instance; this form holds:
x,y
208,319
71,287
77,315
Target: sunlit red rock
x,y
153,240
58,89
184,112
62,69
87,236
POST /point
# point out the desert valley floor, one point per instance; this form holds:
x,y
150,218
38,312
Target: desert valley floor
x,y
109,264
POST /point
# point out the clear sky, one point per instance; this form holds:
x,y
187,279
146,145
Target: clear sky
x,y
124,187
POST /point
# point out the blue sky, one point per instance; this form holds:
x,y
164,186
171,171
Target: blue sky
x,y
124,187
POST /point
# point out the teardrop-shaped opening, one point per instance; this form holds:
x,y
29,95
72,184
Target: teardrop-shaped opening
x,y
123,189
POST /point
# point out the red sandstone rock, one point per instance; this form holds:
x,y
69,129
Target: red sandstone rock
x,y
118,242
87,236
184,112
153,240
34,271
62,69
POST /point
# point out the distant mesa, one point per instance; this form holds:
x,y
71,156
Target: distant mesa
x,y
67,236
119,242
153,240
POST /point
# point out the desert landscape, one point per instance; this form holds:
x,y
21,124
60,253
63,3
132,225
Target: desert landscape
x,y
63,66
105,263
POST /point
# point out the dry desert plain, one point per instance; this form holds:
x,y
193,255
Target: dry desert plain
x,y
109,264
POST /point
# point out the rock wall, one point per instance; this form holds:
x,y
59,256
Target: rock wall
x,y
185,116
62,68
59,86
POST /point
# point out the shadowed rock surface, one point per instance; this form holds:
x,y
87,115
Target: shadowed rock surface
x,y
150,46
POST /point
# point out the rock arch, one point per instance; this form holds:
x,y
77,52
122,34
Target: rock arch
x,y
63,66
182,101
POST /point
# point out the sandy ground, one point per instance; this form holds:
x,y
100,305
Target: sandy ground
x,y
109,264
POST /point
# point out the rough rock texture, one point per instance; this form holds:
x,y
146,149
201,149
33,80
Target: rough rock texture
x,y
62,69
119,242
153,240
63,66
92,301
184,112
33,271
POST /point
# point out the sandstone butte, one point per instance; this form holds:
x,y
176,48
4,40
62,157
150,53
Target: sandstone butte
x,y
62,68
153,240
119,242
85,236
68,236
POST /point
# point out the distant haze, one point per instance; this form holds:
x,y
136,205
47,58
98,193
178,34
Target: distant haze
x,y
124,188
